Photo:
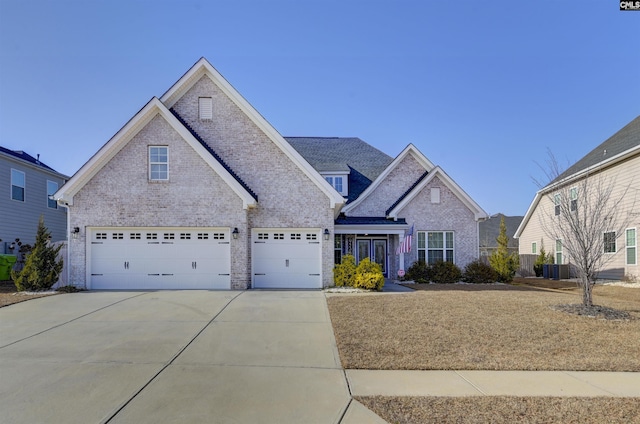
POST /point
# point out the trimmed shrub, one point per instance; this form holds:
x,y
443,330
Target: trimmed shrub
x,y
369,275
542,259
478,272
344,274
443,272
418,272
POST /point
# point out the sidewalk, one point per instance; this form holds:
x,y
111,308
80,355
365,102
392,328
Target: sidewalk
x,y
493,383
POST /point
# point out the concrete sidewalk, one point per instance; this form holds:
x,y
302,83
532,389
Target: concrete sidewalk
x,y
494,383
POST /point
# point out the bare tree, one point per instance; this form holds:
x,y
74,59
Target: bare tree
x,y
588,218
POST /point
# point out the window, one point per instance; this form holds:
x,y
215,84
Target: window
x,y
17,185
337,249
52,187
556,202
205,108
631,247
534,248
573,197
435,246
558,251
610,242
158,163
339,183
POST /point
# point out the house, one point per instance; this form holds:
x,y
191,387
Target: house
x,y
490,230
28,183
198,190
615,162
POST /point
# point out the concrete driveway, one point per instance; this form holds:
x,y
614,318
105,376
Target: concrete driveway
x,y
172,356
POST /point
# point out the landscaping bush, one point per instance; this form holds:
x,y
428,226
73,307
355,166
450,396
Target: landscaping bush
x,y
418,272
542,259
369,275
344,274
42,267
443,272
478,272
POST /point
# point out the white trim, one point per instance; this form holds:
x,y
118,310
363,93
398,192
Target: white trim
x,y
478,212
203,67
158,163
626,246
57,188
119,141
409,150
23,187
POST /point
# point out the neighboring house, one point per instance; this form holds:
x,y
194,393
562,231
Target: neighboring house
x,y
616,160
198,190
28,184
490,230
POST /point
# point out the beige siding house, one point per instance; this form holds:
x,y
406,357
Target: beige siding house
x,y
199,191
614,163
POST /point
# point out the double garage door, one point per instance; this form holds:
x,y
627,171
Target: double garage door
x,y
200,258
160,258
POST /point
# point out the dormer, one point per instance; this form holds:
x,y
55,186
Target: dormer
x,y
339,180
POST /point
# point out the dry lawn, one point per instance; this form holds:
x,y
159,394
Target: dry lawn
x,y
507,410
9,295
489,327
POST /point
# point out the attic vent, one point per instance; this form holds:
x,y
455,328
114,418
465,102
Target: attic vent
x,y
205,107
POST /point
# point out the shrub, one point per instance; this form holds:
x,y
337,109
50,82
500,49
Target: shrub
x,y
369,275
344,274
541,259
42,267
418,272
478,272
443,272
504,263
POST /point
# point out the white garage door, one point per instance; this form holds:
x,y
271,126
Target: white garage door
x,y
159,258
286,258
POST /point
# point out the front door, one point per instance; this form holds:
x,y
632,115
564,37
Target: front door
x,y
375,250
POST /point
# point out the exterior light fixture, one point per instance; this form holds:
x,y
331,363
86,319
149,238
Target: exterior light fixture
x,y
75,232
12,246
235,233
326,234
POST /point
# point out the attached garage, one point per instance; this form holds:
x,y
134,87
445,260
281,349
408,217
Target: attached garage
x,y
158,258
286,258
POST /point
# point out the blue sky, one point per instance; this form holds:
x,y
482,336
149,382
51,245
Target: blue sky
x,y
482,88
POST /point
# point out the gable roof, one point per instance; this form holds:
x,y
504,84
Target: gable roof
x,y
620,146
201,68
153,108
24,156
424,180
409,150
349,155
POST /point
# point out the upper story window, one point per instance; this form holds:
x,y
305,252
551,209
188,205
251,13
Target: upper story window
x,y
158,163
339,182
205,108
18,182
52,187
573,197
556,202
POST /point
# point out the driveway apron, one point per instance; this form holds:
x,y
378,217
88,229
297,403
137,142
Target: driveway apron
x,y
171,356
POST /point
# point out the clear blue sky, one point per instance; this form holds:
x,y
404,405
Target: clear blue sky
x,y
482,88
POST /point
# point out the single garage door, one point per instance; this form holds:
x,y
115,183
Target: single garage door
x,y
159,258
286,258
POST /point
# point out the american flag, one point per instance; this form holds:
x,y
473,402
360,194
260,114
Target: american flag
x,y
405,246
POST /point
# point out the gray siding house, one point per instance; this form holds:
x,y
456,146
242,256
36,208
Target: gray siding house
x,y
28,183
199,191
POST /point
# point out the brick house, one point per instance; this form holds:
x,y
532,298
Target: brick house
x,y
198,190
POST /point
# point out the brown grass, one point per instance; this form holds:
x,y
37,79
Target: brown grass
x,y
489,327
497,410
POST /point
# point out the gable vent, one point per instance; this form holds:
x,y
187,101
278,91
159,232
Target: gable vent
x,y
205,106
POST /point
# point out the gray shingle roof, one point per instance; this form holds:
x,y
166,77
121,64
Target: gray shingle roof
x,y
26,157
625,139
343,154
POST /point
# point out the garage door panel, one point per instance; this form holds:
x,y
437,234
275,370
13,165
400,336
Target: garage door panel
x,y
143,258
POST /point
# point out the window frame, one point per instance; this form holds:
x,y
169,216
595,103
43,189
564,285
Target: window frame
x,y
573,199
629,247
607,244
52,204
152,163
556,204
333,182
559,252
534,247
448,251
23,187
